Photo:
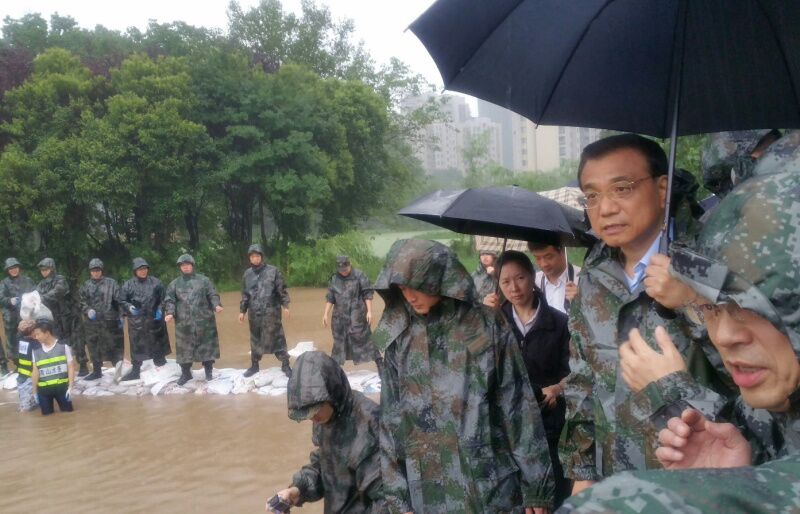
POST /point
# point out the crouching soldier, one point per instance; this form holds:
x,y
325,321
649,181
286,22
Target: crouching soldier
x,y
141,298
345,468
99,297
192,301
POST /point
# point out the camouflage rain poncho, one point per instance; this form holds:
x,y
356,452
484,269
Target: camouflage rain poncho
x,y
485,284
192,298
9,289
263,295
345,467
460,427
351,332
104,336
748,252
148,336
54,291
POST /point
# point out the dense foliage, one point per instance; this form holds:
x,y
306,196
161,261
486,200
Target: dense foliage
x,y
281,130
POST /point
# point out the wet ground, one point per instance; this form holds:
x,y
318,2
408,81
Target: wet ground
x,y
165,454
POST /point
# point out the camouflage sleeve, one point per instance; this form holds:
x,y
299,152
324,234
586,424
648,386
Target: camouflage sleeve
x,y
523,423
393,468
5,295
83,299
309,480
212,295
280,287
160,292
576,447
368,473
125,297
59,291
244,304
768,488
115,298
365,288
671,395
169,300
330,296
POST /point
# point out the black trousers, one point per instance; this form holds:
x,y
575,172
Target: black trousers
x,y
57,394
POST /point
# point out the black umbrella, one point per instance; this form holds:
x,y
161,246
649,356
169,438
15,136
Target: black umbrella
x,y
508,212
630,65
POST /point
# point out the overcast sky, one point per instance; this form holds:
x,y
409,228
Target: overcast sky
x,y
379,23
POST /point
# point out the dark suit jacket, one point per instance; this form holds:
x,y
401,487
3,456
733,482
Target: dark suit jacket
x,y
545,350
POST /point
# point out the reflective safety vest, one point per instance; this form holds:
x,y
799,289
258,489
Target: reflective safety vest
x,y
24,354
52,366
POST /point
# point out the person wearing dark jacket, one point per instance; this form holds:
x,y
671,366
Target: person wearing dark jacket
x,y
345,466
141,297
11,290
542,333
102,322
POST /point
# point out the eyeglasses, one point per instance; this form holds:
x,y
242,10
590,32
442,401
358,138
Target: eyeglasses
x,y
711,313
618,191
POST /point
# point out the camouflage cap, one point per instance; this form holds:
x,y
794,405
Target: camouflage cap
x,y
748,252
426,266
727,160
255,248
185,258
139,262
782,155
47,262
342,261
10,263
95,264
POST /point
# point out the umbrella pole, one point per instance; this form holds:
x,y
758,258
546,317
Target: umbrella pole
x,y
663,245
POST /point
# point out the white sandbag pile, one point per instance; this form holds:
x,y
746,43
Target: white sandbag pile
x,y
162,380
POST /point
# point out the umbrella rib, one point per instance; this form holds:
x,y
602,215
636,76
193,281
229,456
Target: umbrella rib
x,y
568,60
449,80
782,50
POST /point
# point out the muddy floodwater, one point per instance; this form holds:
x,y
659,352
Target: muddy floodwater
x,y
165,454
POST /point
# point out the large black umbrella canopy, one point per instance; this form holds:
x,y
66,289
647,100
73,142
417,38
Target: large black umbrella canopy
x,y
508,212
618,64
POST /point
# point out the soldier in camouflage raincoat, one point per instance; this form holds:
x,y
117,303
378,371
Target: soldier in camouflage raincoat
x,y
730,157
54,290
102,318
483,276
11,291
141,298
609,428
746,255
345,468
264,295
460,428
350,297
192,301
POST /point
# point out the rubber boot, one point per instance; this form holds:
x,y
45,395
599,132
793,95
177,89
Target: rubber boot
x,y
134,373
379,364
159,360
287,370
253,369
208,366
97,371
4,369
84,370
186,374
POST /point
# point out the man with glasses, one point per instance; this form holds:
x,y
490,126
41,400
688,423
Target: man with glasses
x,y
609,428
740,280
